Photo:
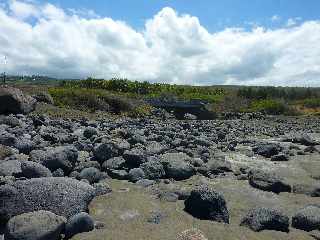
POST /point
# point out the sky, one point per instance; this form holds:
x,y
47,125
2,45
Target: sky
x,y
233,42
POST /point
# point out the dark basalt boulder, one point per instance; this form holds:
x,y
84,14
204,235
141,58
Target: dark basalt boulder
x,y
136,174
82,222
267,149
93,175
153,170
177,166
38,225
307,218
267,181
261,218
44,97
206,204
63,157
62,196
108,150
14,101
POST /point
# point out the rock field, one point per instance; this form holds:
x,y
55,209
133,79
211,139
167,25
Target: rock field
x,y
159,178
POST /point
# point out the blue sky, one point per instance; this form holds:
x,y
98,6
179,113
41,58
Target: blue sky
x,y
234,42
214,15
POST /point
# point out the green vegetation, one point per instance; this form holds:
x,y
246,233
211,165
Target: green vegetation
x,y
150,90
286,93
273,107
311,103
97,100
122,96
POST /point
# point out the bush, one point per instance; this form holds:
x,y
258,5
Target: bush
x,y
92,100
149,90
273,107
311,103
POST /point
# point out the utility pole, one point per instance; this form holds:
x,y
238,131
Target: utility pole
x,y
4,67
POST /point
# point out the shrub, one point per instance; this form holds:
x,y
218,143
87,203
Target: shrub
x,y
273,107
311,103
91,100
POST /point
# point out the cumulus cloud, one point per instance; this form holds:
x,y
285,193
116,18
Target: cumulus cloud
x,y
171,48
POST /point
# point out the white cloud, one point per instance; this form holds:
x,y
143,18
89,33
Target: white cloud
x,y
23,10
275,18
291,22
171,48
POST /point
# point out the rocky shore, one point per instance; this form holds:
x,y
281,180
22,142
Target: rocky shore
x,y
159,178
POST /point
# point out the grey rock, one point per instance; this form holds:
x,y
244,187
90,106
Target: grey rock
x,y
115,163
62,196
280,158
261,218
34,170
106,151
267,149
79,223
207,204
93,175
267,181
145,182
38,225
24,145
119,174
134,157
14,101
89,132
153,170
10,121
307,218
189,116
7,139
63,157
153,148
58,173
88,164
176,166
44,97
136,174
102,188
10,168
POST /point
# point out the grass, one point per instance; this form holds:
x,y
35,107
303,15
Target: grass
x,y
150,90
92,100
124,97
269,106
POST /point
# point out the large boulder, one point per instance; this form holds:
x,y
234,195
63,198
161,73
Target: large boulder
x,y
207,204
44,97
134,157
307,218
5,152
62,196
177,166
41,225
63,157
25,169
267,149
93,175
10,168
136,174
14,101
267,181
115,163
24,145
261,218
107,150
82,222
153,170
